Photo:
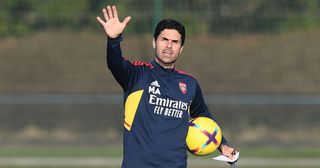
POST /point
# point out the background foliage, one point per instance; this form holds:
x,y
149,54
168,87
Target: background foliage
x,y
220,16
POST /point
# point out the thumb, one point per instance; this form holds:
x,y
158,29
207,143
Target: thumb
x,y
126,20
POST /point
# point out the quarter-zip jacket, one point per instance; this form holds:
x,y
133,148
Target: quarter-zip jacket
x,y
158,105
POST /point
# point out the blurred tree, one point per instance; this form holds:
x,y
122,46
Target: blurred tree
x,y
13,17
60,13
260,15
214,16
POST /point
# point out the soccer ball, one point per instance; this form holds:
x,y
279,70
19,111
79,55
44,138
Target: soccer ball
x,y
204,136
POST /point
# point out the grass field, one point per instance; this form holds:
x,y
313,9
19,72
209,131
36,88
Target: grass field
x,y
251,157
116,152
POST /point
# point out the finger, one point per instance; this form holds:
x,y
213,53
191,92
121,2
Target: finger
x,y
229,155
100,20
234,152
110,13
105,14
115,12
126,20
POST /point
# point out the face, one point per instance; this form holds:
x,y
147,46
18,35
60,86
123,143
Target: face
x,y
167,47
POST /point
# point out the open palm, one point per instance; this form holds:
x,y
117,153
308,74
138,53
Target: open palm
x,y
112,26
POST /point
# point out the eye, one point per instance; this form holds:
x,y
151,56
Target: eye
x,y
176,41
163,39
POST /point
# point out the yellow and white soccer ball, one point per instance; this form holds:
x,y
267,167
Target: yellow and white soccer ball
x,y
204,136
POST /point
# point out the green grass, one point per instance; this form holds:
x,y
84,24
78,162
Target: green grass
x,y
84,152
118,167
274,153
116,152
53,167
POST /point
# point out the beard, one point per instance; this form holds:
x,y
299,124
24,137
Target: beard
x,y
165,64
166,61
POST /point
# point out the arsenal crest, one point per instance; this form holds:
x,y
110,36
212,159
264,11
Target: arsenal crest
x,y
183,87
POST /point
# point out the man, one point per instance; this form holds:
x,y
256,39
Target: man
x,y
159,100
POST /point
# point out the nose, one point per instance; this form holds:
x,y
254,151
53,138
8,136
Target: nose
x,y
169,44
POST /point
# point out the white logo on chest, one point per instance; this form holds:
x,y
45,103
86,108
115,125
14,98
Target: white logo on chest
x,y
165,106
154,88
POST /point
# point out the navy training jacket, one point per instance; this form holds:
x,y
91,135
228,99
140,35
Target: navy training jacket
x,y
158,105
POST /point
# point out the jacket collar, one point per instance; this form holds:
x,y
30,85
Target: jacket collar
x,y
161,69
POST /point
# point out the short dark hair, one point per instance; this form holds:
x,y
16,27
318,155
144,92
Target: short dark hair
x,y
170,24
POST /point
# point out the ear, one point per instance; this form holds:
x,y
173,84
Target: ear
x,y
181,50
154,44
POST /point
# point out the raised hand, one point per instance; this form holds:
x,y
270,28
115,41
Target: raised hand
x,y
112,26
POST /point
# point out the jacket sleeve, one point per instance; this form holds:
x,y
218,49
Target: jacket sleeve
x,y
125,73
198,108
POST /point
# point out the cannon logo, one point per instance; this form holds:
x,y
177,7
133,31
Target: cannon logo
x,y
183,87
